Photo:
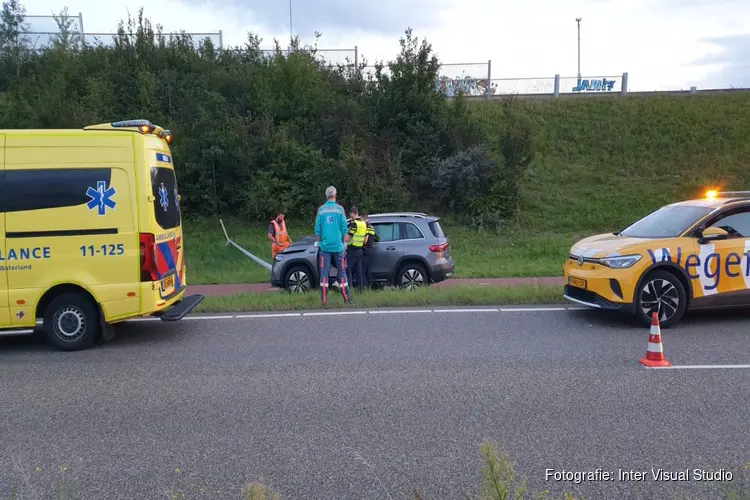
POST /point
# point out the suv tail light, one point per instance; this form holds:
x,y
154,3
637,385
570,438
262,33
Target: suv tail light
x,y
148,257
439,248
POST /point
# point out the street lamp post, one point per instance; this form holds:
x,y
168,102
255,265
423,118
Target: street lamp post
x,y
291,36
578,21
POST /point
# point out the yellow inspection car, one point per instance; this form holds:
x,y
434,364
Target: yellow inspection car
x,y
90,231
690,254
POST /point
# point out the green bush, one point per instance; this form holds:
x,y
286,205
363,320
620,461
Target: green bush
x,y
254,134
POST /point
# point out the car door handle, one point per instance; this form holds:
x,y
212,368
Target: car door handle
x,y
391,248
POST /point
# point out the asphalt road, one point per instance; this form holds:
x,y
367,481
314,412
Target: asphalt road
x,y
202,406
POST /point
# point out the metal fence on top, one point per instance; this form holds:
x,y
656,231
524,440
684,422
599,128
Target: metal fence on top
x,y
44,29
471,79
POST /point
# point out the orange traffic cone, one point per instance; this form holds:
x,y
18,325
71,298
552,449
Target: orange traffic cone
x,y
655,352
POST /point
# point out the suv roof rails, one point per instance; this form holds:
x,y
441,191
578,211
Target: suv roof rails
x,y
401,214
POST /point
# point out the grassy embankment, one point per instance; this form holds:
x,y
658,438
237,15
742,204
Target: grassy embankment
x,y
601,163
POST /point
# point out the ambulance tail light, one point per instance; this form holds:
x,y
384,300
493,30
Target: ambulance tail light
x,y
439,248
148,257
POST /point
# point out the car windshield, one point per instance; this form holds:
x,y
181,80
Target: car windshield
x,y
667,222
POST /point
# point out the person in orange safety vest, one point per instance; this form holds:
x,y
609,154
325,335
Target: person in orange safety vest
x,y
278,235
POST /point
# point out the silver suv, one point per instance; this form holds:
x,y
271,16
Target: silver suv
x,y
411,250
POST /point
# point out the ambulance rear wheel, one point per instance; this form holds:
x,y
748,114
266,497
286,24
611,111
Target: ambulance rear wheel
x,y
660,292
71,322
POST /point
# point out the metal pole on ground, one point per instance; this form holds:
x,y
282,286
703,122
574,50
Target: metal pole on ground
x,y
248,254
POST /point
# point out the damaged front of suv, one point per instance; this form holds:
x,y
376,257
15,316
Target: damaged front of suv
x,y
296,268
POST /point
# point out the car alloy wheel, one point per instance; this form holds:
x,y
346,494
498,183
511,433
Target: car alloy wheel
x,y
298,281
412,278
659,296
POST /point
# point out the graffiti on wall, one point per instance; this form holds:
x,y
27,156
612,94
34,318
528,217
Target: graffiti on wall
x,y
594,85
466,85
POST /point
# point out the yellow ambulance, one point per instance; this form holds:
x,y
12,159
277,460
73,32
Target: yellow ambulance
x,y
90,231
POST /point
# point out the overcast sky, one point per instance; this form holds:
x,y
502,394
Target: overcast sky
x,y
662,44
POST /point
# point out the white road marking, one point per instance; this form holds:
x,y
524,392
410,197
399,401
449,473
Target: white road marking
x,y
695,367
362,312
405,311
466,310
334,313
279,315
530,309
209,317
260,315
10,333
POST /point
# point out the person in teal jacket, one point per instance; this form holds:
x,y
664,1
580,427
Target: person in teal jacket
x,y
332,234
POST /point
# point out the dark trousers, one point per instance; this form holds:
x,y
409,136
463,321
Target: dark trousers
x,y
366,257
354,266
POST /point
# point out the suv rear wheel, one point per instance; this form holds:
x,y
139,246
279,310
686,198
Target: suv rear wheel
x,y
411,276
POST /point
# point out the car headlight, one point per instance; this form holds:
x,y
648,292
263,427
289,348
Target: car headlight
x,y
620,262
278,258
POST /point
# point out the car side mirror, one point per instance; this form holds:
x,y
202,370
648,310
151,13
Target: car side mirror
x,y
713,234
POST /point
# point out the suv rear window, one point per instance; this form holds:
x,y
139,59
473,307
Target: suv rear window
x,y
437,231
166,204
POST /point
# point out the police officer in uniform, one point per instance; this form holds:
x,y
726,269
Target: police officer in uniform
x,y
367,251
354,252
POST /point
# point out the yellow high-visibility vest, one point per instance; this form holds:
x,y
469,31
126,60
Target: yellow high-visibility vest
x,y
358,233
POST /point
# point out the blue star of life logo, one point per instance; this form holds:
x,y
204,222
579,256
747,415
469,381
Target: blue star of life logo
x,y
329,219
101,197
164,202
